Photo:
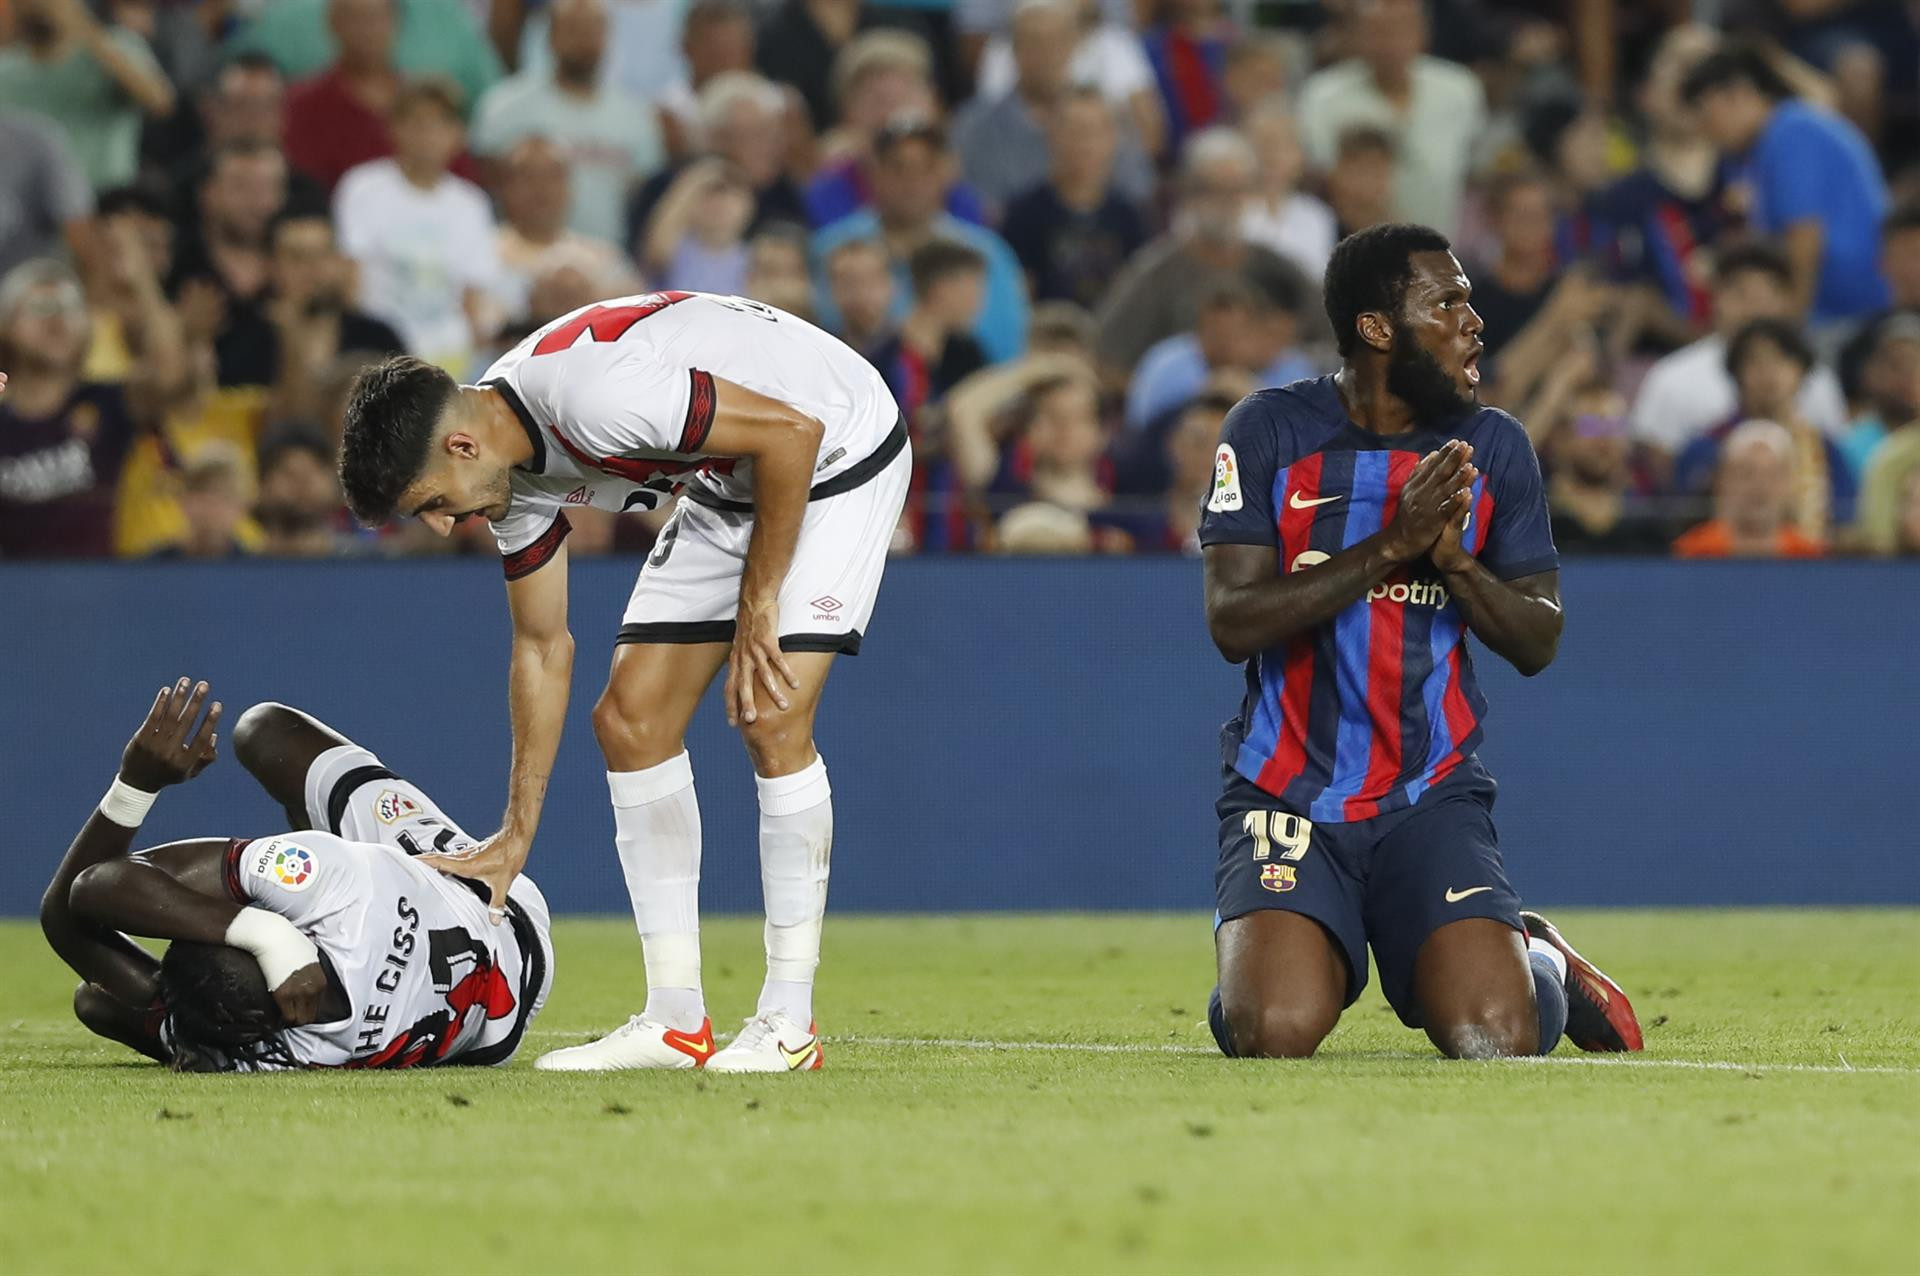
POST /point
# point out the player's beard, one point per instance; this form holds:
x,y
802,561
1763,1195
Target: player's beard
x,y
1416,378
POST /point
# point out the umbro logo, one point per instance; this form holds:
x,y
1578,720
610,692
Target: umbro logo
x,y
827,603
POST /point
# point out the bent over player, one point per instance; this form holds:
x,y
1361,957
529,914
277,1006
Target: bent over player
x,y
328,947
1359,525
795,465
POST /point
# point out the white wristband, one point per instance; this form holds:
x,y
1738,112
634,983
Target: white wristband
x,y
276,943
126,805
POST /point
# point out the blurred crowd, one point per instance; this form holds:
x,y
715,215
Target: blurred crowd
x,y
1070,233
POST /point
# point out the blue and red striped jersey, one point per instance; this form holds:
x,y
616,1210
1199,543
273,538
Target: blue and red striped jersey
x,y
1364,714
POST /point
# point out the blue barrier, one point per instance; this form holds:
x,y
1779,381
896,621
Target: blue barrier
x,y
1033,735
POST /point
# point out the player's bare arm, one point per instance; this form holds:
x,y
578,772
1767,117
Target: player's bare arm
x,y
539,679
1252,605
1519,619
784,444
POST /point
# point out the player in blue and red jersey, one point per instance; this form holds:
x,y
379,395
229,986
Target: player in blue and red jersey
x,y
1358,526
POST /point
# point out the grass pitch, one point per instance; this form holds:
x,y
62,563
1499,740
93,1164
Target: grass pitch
x,y
1740,1142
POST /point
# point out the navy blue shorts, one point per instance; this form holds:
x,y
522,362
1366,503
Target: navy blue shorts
x,y
1390,881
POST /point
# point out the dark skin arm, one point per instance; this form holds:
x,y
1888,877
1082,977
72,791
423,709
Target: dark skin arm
x,y
1252,606
1519,619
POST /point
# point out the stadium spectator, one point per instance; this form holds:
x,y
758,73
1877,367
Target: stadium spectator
x,y
1590,485
743,123
245,102
423,238
214,498
226,248
1074,232
911,173
1510,290
697,238
1690,392
1889,387
1256,72
64,440
1753,499
1236,327
534,196
299,508
643,38
344,116
801,42
1769,360
1056,453
1003,141
882,76
1281,216
1360,183
94,82
861,287
777,270
1813,180
611,140
1043,528
142,210
46,203
426,37
1900,256
1107,58
1187,46
1170,524
1432,110
716,39
1158,294
1890,499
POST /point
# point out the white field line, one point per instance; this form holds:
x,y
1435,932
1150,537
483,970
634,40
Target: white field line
x,y
1599,1061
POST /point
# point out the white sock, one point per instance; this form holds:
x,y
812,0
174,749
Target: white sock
x,y
1553,955
796,846
656,821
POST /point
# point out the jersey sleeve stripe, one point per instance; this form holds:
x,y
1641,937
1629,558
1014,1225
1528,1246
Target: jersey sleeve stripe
x,y
524,562
700,409
230,871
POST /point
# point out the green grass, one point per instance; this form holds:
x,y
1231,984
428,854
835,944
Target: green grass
x,y
1377,1156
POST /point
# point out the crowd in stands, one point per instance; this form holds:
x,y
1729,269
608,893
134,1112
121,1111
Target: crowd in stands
x,y
1070,233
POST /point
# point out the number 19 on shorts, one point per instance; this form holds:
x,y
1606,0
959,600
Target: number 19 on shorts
x,y
1292,833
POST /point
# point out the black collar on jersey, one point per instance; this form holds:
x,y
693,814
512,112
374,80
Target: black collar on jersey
x,y
538,465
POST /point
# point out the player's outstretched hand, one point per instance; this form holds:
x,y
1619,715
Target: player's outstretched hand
x,y
174,744
494,863
299,997
756,658
1429,499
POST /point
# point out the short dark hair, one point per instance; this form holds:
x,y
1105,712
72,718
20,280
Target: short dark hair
x,y
139,196
1364,137
437,91
391,414
298,210
1369,272
908,127
240,148
1741,61
218,1009
290,440
939,259
1231,292
1756,255
1783,333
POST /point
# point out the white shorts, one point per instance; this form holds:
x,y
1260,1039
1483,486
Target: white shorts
x,y
689,591
352,795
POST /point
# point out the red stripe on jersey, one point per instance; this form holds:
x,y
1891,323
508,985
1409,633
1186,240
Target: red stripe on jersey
x,y
1482,518
230,870
1453,702
607,323
700,407
1386,661
524,562
1296,693
635,469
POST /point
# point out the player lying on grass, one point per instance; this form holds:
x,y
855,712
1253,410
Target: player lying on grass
x,y
1359,525
328,947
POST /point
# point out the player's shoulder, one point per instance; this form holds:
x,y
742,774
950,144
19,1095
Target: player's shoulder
x,y
1290,419
1498,439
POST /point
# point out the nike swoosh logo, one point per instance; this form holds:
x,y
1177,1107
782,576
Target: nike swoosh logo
x,y
692,1045
1295,502
797,1059
1454,896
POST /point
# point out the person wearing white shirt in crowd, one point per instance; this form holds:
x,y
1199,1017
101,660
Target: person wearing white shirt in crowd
x,y
1433,109
1690,391
1280,215
1107,57
423,238
611,138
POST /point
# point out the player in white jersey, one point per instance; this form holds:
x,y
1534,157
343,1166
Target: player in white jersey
x,y
795,465
328,947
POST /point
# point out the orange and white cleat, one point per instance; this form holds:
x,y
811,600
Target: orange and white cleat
x,y
771,1043
639,1043
1599,1016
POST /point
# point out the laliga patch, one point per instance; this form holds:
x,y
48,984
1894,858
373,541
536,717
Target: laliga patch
x,y
391,807
1226,481
290,867
1278,877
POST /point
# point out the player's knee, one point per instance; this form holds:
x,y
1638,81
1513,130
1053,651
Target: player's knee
x,y
778,743
1499,1031
260,732
631,739
92,1005
1277,1030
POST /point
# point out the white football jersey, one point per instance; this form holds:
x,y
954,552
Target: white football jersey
x,y
618,399
430,977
